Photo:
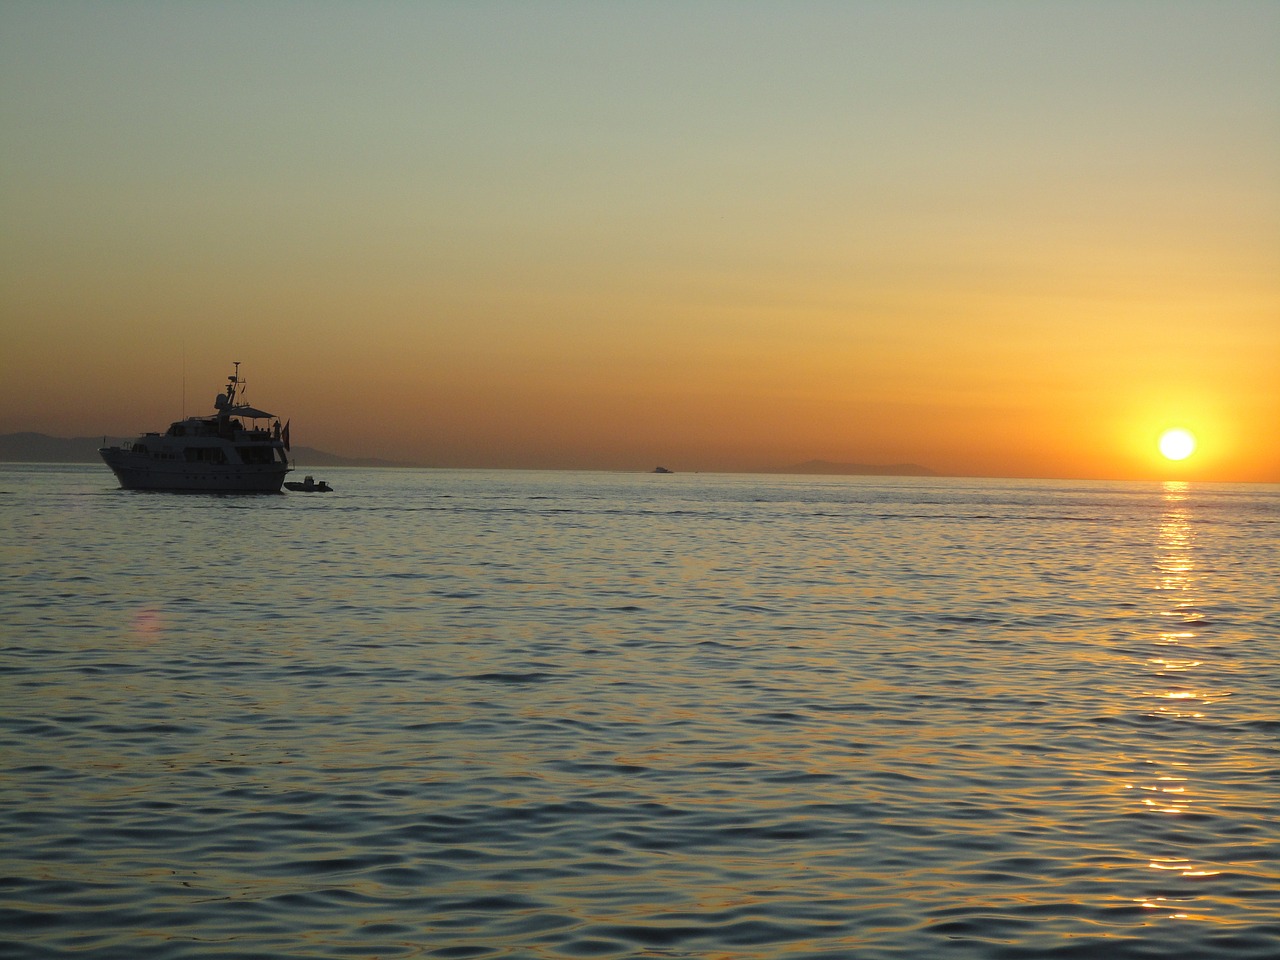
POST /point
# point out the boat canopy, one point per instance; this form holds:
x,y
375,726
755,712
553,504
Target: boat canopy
x,y
253,413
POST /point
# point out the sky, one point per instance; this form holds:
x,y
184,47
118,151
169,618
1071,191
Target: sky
x,y
991,238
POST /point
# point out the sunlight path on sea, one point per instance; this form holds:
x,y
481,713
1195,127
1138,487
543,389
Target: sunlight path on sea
x,y
1187,673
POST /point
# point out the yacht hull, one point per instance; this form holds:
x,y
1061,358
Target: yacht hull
x,y
146,474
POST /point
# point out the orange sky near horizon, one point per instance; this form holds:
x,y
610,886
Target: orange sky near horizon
x,y
991,238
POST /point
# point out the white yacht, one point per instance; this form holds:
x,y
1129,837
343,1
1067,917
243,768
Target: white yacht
x,y
217,454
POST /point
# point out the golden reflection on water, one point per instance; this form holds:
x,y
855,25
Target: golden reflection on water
x,y
1175,558
1169,790
1177,583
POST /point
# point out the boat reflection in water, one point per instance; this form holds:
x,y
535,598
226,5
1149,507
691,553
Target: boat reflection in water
x,y
214,454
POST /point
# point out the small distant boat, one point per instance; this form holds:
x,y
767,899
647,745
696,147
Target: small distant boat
x,y
216,454
661,470
309,485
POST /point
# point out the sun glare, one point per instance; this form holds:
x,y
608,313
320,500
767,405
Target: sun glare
x,y
1177,444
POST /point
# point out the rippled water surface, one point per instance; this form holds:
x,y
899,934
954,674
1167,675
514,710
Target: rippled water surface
x,y
468,714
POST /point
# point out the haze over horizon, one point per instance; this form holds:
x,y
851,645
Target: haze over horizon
x,y
991,238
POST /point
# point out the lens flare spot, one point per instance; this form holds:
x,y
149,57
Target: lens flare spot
x,y
147,624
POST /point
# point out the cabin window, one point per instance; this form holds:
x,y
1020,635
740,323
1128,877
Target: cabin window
x,y
256,454
140,449
204,455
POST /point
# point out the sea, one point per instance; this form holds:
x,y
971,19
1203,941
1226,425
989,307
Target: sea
x,y
603,715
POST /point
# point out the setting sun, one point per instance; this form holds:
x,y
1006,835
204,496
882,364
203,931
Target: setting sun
x,y
1177,444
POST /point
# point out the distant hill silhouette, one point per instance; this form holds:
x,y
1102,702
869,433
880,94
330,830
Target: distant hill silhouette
x,y
41,448
311,457
862,469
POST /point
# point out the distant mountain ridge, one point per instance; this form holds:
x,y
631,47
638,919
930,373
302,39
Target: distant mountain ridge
x,y
30,447
862,469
